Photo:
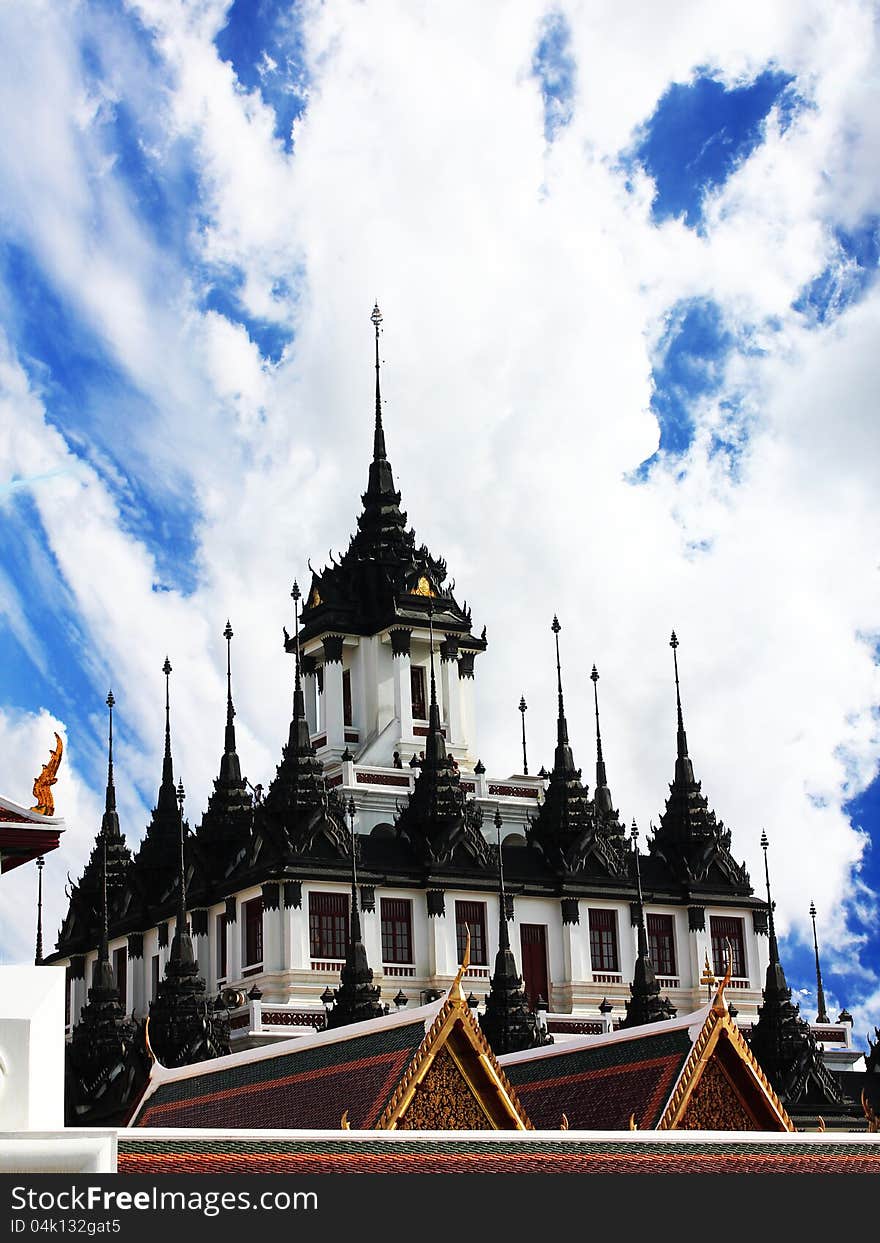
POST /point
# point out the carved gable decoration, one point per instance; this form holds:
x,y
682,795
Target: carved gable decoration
x,y
722,1087
454,1081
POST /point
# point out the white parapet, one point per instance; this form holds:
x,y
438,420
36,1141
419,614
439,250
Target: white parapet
x,y
31,1048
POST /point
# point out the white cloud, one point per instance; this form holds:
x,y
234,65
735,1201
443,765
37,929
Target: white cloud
x,y
523,289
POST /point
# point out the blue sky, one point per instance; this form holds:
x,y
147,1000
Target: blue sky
x,y
629,280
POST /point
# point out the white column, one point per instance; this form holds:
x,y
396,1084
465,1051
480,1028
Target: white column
x,y
272,934
400,641
300,958
333,715
574,956
200,942
438,944
138,984
451,694
466,702
310,690
233,946
699,946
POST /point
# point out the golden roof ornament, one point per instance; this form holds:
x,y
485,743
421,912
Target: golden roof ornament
x,y
708,976
43,784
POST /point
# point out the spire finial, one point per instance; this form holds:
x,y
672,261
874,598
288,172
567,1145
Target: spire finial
x,y
822,1016
378,433
523,706
166,669
166,802
230,708
38,955
563,760
431,644
351,812
634,837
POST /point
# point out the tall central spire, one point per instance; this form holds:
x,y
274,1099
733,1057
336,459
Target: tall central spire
x,y
684,769
380,489
110,820
776,983
378,432
167,801
563,760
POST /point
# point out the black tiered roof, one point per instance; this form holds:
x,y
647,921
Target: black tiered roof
x,y
570,832
185,1025
226,826
689,840
439,824
508,1023
82,924
383,578
154,868
784,1044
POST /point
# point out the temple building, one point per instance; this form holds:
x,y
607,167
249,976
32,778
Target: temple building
x,y
381,848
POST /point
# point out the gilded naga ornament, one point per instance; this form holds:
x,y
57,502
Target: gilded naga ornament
x,y
43,784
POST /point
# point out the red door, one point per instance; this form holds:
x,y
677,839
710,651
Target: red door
x,y
533,938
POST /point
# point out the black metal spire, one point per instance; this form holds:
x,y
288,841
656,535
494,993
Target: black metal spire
x,y
602,795
378,432
775,982
684,770
230,769
563,761
181,946
646,1004
782,1041
184,1025
357,997
110,820
167,801
522,708
508,1023
299,726
822,1016
38,953
106,1062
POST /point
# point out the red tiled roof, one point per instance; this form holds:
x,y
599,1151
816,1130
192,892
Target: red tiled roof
x,y
457,1153
599,1084
307,1084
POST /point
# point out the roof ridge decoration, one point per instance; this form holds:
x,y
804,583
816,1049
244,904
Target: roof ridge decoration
x,y
567,829
689,838
491,1089
383,578
48,777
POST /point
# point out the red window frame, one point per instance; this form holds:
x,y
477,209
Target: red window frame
x,y
722,929
252,917
397,939
417,693
471,915
328,925
661,943
604,953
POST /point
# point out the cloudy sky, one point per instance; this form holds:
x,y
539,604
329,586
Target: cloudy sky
x,y
627,260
